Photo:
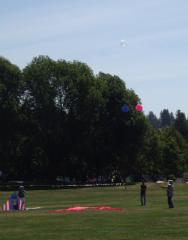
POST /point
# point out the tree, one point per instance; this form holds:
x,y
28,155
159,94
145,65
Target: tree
x,y
174,150
149,161
10,92
42,120
166,118
121,133
181,124
68,122
154,121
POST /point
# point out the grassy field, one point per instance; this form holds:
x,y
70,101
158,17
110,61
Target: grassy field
x,y
153,222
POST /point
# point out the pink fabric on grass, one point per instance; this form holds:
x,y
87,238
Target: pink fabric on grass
x,y
107,208
82,208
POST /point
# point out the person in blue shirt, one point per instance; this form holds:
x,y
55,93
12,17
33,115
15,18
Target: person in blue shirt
x,y
13,201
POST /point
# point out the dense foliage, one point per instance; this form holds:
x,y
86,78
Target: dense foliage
x,y
59,119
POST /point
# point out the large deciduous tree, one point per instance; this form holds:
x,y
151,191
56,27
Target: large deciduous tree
x,y
10,93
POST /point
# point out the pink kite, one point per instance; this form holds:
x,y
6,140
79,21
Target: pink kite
x,y
138,107
81,209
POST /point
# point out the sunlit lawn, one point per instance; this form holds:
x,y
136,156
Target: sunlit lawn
x,y
155,221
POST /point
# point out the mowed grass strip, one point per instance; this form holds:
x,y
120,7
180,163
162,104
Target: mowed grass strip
x,y
154,221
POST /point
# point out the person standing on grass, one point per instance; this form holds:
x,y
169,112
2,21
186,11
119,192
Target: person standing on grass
x,y
143,189
170,193
22,196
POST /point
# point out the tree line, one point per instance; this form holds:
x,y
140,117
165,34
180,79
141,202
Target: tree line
x,y
57,118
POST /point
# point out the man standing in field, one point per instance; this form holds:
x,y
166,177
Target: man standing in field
x,y
170,193
143,188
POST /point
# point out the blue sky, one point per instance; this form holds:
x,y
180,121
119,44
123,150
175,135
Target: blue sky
x,y
154,62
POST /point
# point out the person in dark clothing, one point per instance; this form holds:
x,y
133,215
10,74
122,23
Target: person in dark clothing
x,y
143,188
170,193
22,196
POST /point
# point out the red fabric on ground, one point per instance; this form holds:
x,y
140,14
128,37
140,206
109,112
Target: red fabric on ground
x,y
107,208
82,208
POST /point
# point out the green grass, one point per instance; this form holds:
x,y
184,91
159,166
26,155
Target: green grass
x,y
153,222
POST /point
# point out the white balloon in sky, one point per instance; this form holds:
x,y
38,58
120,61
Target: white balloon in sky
x,y
123,43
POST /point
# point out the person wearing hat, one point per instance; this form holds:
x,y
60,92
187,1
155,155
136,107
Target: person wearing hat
x,y
170,193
